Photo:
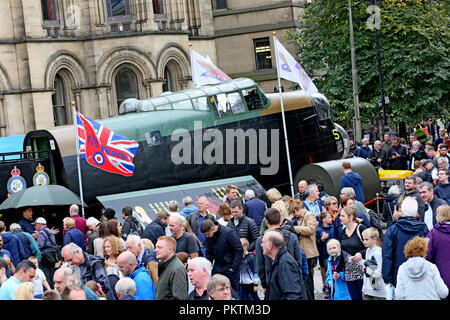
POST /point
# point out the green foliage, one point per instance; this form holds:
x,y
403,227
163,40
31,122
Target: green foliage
x,y
414,43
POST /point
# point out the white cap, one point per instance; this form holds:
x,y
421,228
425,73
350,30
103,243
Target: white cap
x,y
41,220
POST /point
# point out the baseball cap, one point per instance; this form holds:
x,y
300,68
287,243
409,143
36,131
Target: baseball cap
x,y
41,220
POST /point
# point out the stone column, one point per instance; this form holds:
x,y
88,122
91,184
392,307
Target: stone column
x,y
2,118
43,110
157,87
103,102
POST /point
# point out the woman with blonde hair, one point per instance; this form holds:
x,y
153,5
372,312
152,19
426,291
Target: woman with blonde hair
x,y
305,225
273,195
25,291
72,234
112,248
286,223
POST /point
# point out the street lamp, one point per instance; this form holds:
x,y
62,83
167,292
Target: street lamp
x,y
376,26
356,119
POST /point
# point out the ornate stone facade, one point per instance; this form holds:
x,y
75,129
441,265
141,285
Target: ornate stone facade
x,y
100,52
53,52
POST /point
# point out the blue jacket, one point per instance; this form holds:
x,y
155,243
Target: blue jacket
x,y
188,210
145,290
292,245
284,281
248,273
442,191
322,245
154,230
364,152
339,289
225,249
13,244
353,179
254,209
26,225
76,236
26,244
402,230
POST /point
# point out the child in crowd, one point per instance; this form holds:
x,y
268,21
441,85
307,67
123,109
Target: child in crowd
x,y
40,281
324,233
336,280
373,285
248,278
94,286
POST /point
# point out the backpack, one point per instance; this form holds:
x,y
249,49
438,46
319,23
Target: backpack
x,y
375,221
135,227
50,254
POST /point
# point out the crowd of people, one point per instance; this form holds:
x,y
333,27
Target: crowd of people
x,y
252,250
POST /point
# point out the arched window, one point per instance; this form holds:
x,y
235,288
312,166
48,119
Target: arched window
x,y
168,85
59,103
126,85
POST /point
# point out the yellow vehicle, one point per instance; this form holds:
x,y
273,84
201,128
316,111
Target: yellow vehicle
x,y
389,178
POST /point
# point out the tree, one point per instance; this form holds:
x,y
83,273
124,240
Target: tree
x,y
414,42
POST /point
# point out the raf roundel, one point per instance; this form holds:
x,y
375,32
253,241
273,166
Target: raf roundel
x,y
99,159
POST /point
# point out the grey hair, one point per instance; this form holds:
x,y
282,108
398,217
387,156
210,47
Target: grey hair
x,y
394,190
427,185
187,200
409,207
349,192
276,239
178,219
200,263
125,287
249,194
309,189
72,247
91,221
217,279
14,227
136,239
173,205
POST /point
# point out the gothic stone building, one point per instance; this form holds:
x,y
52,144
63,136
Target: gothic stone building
x,y
100,52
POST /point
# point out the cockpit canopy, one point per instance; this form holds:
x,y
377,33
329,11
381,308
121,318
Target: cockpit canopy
x,y
231,97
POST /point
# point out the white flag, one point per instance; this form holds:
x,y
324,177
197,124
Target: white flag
x,y
289,69
204,71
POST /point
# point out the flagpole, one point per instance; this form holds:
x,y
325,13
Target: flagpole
x,y
78,157
192,65
284,120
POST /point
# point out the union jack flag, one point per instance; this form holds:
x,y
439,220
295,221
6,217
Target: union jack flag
x,y
104,149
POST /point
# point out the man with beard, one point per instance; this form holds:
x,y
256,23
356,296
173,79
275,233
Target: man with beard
x,y
411,191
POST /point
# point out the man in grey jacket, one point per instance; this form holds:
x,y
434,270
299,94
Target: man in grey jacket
x,y
91,267
173,279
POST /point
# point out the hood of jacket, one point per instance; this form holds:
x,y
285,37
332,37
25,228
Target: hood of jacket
x,y
138,271
417,268
410,225
353,177
443,227
443,185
